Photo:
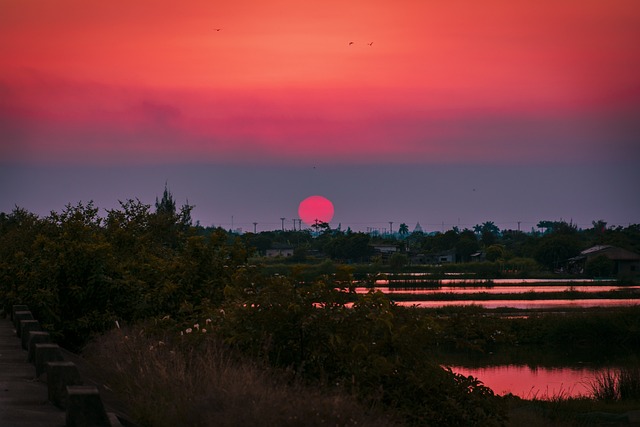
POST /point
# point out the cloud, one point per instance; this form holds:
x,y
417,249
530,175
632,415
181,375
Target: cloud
x,y
44,118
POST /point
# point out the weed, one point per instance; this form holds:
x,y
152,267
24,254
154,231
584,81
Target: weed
x,y
167,381
622,384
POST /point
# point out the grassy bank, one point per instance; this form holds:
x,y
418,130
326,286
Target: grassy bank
x,y
229,376
170,380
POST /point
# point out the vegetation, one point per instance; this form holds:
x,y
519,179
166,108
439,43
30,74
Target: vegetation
x,y
195,379
284,327
585,331
621,384
507,252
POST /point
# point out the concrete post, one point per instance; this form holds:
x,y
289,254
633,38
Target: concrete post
x,y
27,326
20,316
36,337
85,408
46,353
18,307
59,376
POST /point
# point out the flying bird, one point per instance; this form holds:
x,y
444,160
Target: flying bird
x,y
370,44
217,29
350,43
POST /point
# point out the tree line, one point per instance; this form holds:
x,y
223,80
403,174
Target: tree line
x,y
543,250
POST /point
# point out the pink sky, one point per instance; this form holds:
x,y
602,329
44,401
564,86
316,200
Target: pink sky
x,y
461,111
152,81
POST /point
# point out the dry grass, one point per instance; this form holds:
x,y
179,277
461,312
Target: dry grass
x,y
622,384
605,386
175,383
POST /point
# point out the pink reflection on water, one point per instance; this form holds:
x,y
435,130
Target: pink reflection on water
x,y
528,383
497,289
527,304
424,278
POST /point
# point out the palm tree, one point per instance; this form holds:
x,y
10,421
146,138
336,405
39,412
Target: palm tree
x,y
403,229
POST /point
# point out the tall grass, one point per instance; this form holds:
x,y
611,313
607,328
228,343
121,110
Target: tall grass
x,y
629,383
617,385
200,382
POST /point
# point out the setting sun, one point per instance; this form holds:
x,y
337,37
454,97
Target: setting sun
x,y
315,208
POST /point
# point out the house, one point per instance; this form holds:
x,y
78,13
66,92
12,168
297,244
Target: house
x,y
626,263
279,250
445,257
385,249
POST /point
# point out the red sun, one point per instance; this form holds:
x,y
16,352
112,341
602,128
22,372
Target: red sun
x,y
315,208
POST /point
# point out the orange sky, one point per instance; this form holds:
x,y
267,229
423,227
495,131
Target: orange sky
x,y
455,81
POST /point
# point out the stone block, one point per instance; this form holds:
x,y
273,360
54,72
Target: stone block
x,y
18,307
36,337
85,408
20,316
27,326
59,376
46,353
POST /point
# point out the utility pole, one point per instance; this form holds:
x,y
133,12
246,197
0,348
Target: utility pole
x,y
255,224
519,225
390,227
282,219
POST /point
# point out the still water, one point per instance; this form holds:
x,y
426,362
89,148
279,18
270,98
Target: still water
x,y
417,279
514,287
526,381
499,289
527,304
534,382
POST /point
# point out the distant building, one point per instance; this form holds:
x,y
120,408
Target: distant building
x,y
418,228
385,249
627,263
445,257
279,250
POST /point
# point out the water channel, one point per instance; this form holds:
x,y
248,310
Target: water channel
x,y
469,287
526,380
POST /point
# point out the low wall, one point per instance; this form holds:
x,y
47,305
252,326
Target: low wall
x,y
66,388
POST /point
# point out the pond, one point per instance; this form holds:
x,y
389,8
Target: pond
x,y
534,382
527,304
500,287
543,373
417,279
526,378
